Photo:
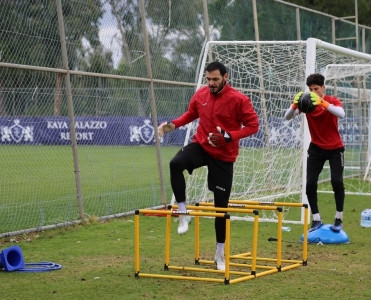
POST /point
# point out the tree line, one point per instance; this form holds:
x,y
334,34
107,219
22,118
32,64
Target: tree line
x,y
29,35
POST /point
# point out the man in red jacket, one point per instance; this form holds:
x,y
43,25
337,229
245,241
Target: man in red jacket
x,y
326,144
225,116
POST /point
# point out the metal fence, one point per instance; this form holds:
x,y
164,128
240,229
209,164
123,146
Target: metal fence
x,y
84,83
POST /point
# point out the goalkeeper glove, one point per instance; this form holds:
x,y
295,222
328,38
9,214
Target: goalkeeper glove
x,y
219,138
317,100
296,100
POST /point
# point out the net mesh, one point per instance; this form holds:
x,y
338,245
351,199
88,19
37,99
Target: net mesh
x,y
270,163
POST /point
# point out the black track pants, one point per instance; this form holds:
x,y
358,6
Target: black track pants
x,y
315,162
219,179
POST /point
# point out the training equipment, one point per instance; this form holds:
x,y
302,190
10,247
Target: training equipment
x,y
219,138
271,73
324,235
318,101
305,103
44,266
231,268
11,259
296,100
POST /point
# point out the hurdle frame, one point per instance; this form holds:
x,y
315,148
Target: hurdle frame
x,y
207,210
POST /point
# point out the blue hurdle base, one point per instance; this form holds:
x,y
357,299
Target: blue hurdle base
x,y
325,235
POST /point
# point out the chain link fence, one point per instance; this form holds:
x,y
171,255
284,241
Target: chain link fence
x,y
83,85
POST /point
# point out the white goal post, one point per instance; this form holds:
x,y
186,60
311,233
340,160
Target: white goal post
x,y
271,165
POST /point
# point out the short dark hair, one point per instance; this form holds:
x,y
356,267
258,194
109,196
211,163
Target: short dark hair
x,y
216,65
315,78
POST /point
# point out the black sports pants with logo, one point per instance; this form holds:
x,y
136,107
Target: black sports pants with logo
x,y
219,179
315,162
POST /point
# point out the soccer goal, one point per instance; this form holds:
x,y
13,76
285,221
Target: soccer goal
x,y
271,165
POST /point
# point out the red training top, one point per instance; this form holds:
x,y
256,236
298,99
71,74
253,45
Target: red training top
x,y
323,126
230,110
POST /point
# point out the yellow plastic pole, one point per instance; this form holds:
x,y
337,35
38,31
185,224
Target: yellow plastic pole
x,y
265,203
290,267
227,246
197,239
167,241
279,239
136,238
218,209
255,242
179,277
305,235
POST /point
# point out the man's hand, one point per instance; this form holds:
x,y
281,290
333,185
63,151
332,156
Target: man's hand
x,y
164,128
219,138
317,100
296,100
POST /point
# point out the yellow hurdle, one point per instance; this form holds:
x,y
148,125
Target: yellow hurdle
x,y
258,267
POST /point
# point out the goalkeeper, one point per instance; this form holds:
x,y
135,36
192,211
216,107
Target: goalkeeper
x,y
326,144
225,116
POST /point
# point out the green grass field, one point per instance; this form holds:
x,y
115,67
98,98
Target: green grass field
x,y
98,261
37,183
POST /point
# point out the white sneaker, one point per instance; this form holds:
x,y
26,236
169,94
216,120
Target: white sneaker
x,y
220,262
183,224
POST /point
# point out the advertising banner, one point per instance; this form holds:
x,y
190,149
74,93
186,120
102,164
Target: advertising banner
x,y
140,131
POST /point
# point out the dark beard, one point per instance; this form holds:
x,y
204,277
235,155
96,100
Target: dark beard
x,y
220,89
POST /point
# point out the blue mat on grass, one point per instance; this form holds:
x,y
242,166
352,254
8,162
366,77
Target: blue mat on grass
x,y
325,235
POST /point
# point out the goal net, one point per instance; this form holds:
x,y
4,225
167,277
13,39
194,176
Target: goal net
x,y
351,82
271,164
